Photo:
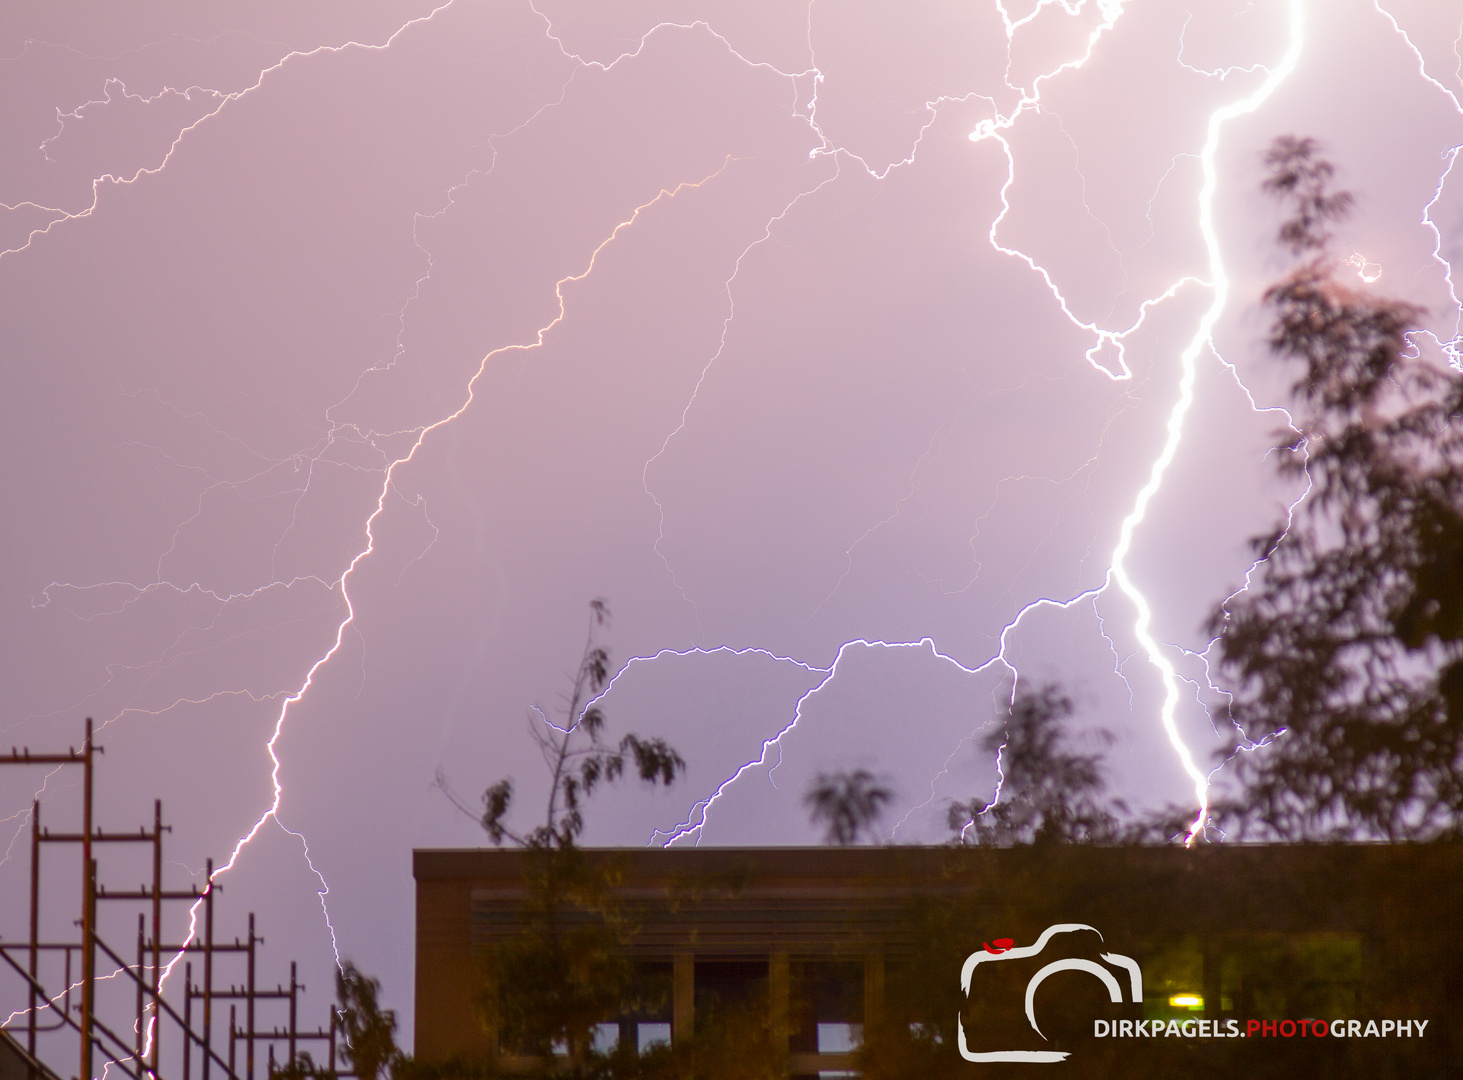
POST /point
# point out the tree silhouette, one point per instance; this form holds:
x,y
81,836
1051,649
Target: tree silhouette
x,y
847,804
370,1031
576,756
1345,651
1049,793
370,1049
569,969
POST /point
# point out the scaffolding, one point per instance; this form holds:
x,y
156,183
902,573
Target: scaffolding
x,y
73,1007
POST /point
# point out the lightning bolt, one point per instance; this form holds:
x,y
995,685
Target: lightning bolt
x,y
1118,574
1106,356
1189,360
693,827
1450,345
342,584
101,182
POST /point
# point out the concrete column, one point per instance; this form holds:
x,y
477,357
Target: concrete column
x,y
683,1000
779,990
873,988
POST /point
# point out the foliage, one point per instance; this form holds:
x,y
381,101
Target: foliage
x,y
848,804
370,1031
1049,792
547,1012
303,1067
737,1042
577,758
1346,648
1255,914
569,970
370,1050
1302,179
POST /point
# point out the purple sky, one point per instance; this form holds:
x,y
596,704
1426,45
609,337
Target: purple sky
x,y
351,348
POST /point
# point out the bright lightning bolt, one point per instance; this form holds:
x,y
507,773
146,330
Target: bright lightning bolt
x,y
1031,101
1202,340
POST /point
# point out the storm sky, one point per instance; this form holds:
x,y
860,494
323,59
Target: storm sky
x,y
862,356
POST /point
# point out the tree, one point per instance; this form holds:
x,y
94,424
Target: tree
x,y
569,970
578,760
1049,793
370,1031
847,804
370,1049
1345,651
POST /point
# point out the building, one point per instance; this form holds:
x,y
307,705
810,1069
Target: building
x,y
828,940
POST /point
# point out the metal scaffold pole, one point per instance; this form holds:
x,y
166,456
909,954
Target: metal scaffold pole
x,y
104,1044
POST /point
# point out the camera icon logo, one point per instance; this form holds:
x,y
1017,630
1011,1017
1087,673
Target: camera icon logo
x,y
1006,949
